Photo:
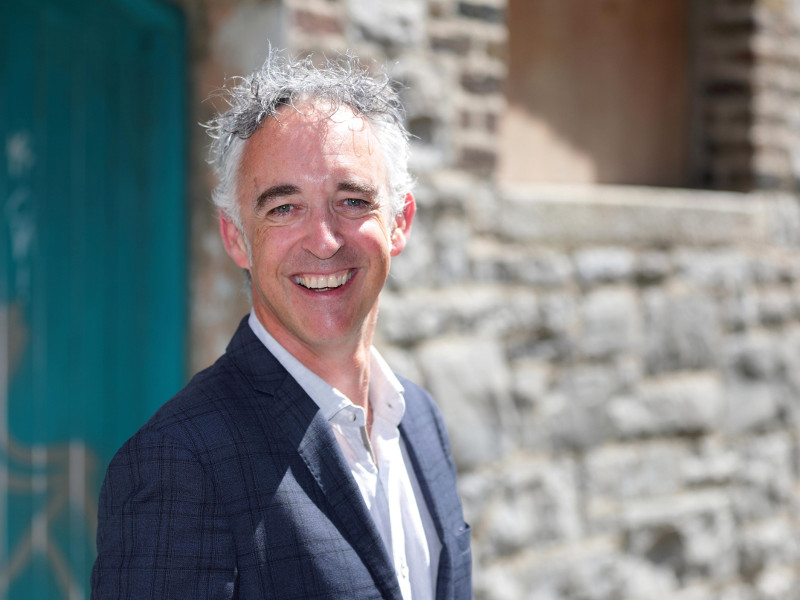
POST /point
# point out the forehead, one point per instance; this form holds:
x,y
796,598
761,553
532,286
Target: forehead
x,y
316,136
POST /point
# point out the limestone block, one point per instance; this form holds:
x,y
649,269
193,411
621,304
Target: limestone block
x,y
512,264
415,267
725,269
754,356
778,584
738,311
559,314
531,378
627,216
770,270
731,591
692,534
714,463
763,482
604,265
595,570
429,106
470,380
413,316
765,545
680,404
750,405
790,371
407,318
395,24
555,335
776,306
450,255
618,472
458,191
652,267
242,40
575,414
783,210
681,332
756,395
611,323
533,503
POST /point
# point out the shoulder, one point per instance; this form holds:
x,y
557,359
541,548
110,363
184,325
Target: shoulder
x,y
422,415
416,394
221,396
210,392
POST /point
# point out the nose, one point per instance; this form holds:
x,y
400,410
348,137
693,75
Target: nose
x,y
322,238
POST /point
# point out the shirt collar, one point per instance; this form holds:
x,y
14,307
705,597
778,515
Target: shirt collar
x,y
385,390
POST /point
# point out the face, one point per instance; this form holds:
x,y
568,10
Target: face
x,y
316,212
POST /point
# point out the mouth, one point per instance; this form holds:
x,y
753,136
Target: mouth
x,y
324,283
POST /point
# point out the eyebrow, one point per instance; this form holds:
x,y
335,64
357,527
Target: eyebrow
x,y
359,188
275,191
289,189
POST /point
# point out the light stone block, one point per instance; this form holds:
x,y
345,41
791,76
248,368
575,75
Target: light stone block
x,y
687,403
612,323
681,331
472,384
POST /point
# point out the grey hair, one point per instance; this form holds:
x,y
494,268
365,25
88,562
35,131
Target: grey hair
x,y
283,82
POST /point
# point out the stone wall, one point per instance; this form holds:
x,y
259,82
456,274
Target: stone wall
x,y
619,367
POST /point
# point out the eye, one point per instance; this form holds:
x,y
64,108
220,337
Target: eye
x,y
283,209
355,203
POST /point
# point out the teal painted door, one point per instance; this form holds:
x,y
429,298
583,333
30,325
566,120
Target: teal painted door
x,y
92,287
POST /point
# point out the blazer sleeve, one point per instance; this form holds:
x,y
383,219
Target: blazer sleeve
x,y
160,534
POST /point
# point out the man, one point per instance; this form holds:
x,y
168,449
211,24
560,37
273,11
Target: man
x,y
298,465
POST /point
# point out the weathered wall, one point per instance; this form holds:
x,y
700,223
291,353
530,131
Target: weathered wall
x,y
619,371
619,367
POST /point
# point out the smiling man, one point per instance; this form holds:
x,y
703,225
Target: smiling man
x,y
298,465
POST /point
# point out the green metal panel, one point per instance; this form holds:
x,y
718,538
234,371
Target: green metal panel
x,y
92,265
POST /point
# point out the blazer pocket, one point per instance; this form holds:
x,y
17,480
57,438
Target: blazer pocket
x,y
462,537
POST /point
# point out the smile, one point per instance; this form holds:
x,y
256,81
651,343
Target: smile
x,y
323,283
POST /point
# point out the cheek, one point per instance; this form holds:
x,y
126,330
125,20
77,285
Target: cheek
x,y
377,229
269,241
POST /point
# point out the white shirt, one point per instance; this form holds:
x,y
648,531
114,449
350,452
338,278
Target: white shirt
x,y
379,464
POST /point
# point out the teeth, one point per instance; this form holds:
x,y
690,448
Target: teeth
x,y
323,282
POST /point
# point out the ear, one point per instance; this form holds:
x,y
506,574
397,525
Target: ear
x,y
402,225
234,241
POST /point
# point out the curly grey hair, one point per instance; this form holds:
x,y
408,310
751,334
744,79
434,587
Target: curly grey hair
x,y
283,82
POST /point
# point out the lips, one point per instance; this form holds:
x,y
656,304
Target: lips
x,y
323,283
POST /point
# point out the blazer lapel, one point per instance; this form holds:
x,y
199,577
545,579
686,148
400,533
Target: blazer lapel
x,y
307,431
420,437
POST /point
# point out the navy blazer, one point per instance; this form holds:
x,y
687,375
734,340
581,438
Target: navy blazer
x,y
237,488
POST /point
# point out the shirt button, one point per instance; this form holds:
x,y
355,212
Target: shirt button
x,y
404,571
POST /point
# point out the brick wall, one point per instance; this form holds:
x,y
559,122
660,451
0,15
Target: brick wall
x,y
748,86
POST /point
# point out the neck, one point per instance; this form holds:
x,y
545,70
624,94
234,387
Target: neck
x,y
344,364
349,373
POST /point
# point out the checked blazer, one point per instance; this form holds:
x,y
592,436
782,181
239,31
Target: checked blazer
x,y
237,488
